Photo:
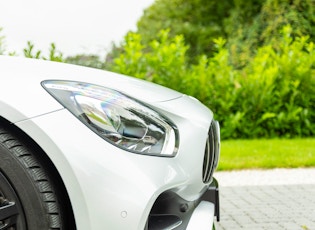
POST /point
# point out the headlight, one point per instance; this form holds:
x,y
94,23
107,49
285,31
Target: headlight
x,y
117,118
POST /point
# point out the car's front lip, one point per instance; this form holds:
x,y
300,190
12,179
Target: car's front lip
x,y
104,181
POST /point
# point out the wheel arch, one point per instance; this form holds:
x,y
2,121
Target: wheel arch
x,y
48,165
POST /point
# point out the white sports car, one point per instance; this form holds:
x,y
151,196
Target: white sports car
x,y
87,149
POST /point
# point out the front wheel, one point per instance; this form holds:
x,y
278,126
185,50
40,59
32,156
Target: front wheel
x,y
28,194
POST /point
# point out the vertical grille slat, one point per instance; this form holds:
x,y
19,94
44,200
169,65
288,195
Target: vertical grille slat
x,y
212,151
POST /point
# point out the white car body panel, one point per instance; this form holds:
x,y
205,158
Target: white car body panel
x,y
21,75
106,185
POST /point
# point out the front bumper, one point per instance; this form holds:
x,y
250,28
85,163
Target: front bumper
x,y
172,212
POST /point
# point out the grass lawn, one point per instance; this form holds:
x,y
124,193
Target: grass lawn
x,y
267,153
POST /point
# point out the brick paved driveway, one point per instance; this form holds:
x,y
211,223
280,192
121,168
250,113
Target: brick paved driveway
x,y
276,199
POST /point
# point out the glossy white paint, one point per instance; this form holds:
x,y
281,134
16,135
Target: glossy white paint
x,y
109,188
20,85
202,217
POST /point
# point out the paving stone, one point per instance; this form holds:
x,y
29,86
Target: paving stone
x,y
268,205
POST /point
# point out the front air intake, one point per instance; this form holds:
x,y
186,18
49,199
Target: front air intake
x,y
212,152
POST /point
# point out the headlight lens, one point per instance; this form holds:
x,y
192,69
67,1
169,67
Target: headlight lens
x,y
117,118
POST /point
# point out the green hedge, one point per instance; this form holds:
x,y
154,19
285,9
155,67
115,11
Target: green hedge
x,y
272,96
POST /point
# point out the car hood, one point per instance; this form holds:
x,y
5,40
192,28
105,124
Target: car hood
x,y
21,90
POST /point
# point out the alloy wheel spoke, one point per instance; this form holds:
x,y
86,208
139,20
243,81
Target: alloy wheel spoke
x,y
8,211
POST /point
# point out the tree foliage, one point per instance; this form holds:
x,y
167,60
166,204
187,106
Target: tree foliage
x,y
246,25
198,20
252,24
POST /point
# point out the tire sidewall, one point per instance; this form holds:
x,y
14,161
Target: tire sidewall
x,y
19,176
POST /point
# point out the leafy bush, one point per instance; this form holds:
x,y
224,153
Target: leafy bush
x,y
54,54
278,90
89,60
272,96
165,64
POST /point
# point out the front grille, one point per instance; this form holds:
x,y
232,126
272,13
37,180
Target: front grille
x,y
212,152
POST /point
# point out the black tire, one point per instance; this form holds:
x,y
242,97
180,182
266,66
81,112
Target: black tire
x,y
29,198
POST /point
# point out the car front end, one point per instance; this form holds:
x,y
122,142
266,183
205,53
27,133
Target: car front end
x,y
131,154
